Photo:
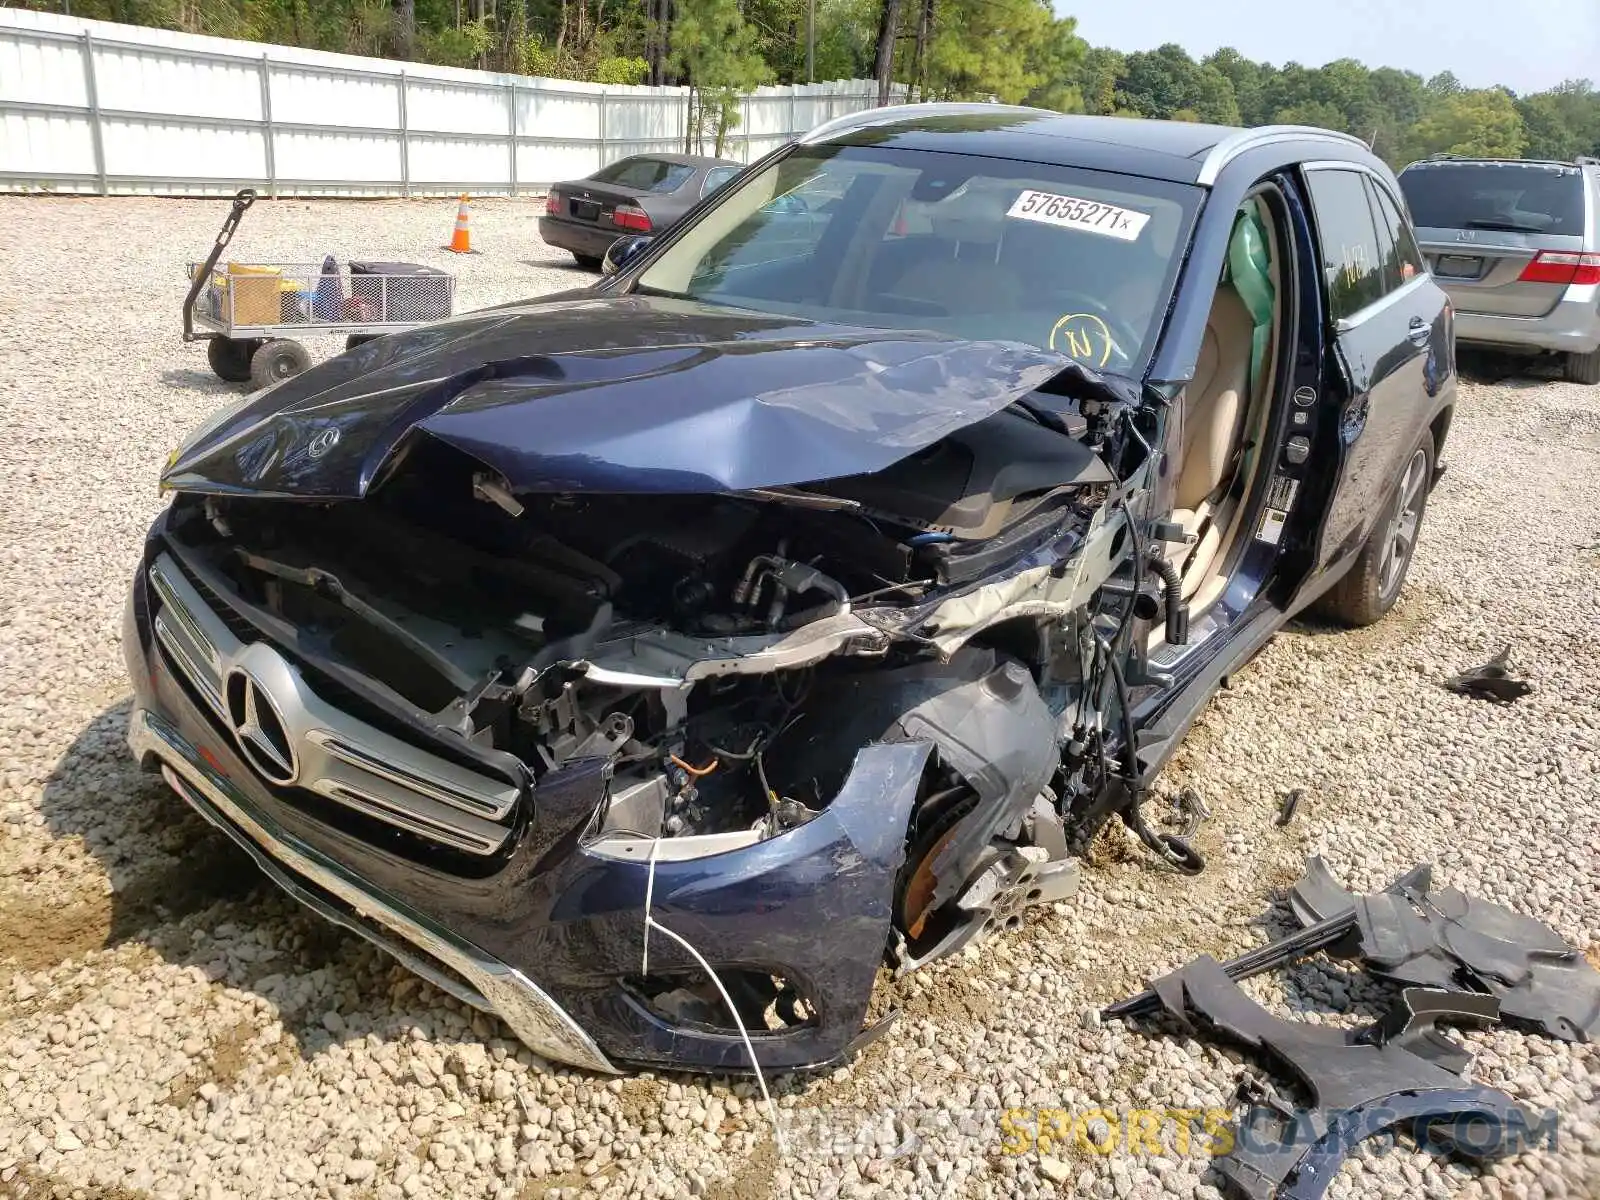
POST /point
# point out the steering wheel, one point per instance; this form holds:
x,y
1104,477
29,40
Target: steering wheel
x,y
1091,333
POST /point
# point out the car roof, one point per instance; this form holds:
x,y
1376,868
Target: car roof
x,y
1181,151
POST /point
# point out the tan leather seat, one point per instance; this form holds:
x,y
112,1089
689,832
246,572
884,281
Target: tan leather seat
x,y
1213,418
964,270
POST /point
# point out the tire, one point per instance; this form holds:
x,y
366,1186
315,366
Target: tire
x,y
589,262
1371,587
1584,368
277,360
360,339
230,358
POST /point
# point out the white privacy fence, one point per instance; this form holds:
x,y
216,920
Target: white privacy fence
x,y
88,106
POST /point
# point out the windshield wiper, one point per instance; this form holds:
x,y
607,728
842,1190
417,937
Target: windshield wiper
x,y
1507,226
640,289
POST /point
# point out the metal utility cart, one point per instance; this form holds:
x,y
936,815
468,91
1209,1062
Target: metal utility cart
x,y
245,311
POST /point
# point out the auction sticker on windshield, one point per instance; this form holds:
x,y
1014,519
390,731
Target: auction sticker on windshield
x,y
1094,216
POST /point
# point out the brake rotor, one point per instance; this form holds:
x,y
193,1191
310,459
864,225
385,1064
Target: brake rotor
x,y
918,894
915,901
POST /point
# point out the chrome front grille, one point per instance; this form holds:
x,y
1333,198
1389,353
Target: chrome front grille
x,y
183,638
332,753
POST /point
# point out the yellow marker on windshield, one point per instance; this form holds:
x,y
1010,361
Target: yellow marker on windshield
x,y
1084,337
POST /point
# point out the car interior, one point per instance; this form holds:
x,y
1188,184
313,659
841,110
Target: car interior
x,y
956,263
1226,408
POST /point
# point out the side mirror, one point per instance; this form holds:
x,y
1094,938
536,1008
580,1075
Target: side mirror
x,y
623,251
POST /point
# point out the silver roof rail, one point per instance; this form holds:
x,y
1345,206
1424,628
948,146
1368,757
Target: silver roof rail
x,y
1237,143
892,113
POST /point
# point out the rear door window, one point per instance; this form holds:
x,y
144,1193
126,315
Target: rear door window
x,y
1352,261
647,174
1511,197
1402,259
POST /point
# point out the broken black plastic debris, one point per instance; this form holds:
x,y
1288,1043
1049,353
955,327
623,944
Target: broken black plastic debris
x,y
1493,681
1336,931
1287,808
1414,934
1255,962
1398,1071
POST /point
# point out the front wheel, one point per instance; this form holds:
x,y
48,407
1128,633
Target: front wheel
x,y
277,360
1371,587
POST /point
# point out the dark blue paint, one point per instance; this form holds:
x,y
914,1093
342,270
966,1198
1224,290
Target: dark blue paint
x,y
618,394
812,904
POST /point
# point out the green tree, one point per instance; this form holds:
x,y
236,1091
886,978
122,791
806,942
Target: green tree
x,y
1096,78
883,58
1444,84
1056,58
1166,82
1213,99
846,32
713,49
1312,112
1479,124
1012,50
1008,49
1563,122
1400,99
1549,135
1340,95
1247,78
1156,83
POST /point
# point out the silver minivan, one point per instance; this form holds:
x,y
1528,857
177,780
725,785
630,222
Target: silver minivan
x,y
1516,246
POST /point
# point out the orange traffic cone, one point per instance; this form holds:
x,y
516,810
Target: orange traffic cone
x,y
461,239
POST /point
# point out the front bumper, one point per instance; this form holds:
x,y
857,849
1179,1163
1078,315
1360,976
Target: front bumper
x,y
1571,327
325,886
550,936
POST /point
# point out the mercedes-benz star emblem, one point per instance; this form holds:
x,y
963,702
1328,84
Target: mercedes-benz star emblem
x,y
323,441
259,729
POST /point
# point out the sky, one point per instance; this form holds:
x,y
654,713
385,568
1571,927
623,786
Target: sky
x,y
1528,46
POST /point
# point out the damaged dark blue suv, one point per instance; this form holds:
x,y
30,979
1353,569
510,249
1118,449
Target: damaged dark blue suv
x,y
818,584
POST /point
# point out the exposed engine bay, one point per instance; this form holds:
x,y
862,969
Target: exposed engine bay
x,y
727,654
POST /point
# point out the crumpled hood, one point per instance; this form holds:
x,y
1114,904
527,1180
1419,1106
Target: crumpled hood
x,y
615,394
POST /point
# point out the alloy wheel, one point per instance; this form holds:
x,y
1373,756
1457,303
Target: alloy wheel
x,y
1402,535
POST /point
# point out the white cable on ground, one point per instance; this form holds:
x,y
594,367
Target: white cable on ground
x,y
651,923
649,899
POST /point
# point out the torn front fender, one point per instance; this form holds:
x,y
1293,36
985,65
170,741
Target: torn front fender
x,y
812,905
983,715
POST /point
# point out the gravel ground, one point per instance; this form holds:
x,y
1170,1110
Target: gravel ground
x,y
171,1026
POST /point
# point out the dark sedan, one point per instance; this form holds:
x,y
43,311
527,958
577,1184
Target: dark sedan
x,y
641,194
652,663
